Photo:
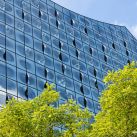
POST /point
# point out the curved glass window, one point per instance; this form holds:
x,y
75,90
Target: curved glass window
x,y
2,40
45,27
32,93
10,44
47,49
2,28
2,16
40,83
44,17
28,41
96,107
9,8
21,62
49,62
69,84
11,72
39,58
79,88
90,70
29,53
76,75
26,6
27,29
54,32
21,76
58,67
69,30
36,22
82,67
62,36
85,79
37,33
2,98
21,91
11,87
40,71
46,38
75,63
82,101
20,36
86,91
30,66
90,105
2,83
71,94
2,5
2,52
31,80
95,94
38,45
60,79
10,58
50,75
62,92
100,85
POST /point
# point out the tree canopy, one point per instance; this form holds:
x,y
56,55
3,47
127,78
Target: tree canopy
x,y
118,115
40,118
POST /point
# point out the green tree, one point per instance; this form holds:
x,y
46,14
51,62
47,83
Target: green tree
x,y
39,117
118,117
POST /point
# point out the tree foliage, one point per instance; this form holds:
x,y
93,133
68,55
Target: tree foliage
x,y
118,117
39,117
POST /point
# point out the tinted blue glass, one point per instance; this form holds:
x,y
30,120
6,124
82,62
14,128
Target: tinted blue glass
x,y
40,41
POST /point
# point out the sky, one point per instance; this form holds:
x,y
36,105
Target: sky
x,y
119,12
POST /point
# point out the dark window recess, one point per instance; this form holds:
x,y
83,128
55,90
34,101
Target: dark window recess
x,y
45,85
103,48
27,78
57,23
60,56
105,58
43,47
85,102
86,31
4,56
8,98
77,53
128,62
113,45
63,68
127,53
80,76
72,22
26,92
60,44
40,14
23,14
74,42
46,73
90,51
96,84
82,89
56,13
125,44
95,72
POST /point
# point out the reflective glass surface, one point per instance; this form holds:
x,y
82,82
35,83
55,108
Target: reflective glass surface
x,y
40,41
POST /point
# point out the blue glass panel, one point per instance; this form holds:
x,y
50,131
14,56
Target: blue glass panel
x,y
2,83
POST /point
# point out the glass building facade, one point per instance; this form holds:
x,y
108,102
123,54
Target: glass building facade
x,y
40,41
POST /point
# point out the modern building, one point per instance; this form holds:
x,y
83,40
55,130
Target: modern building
x,y
40,41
